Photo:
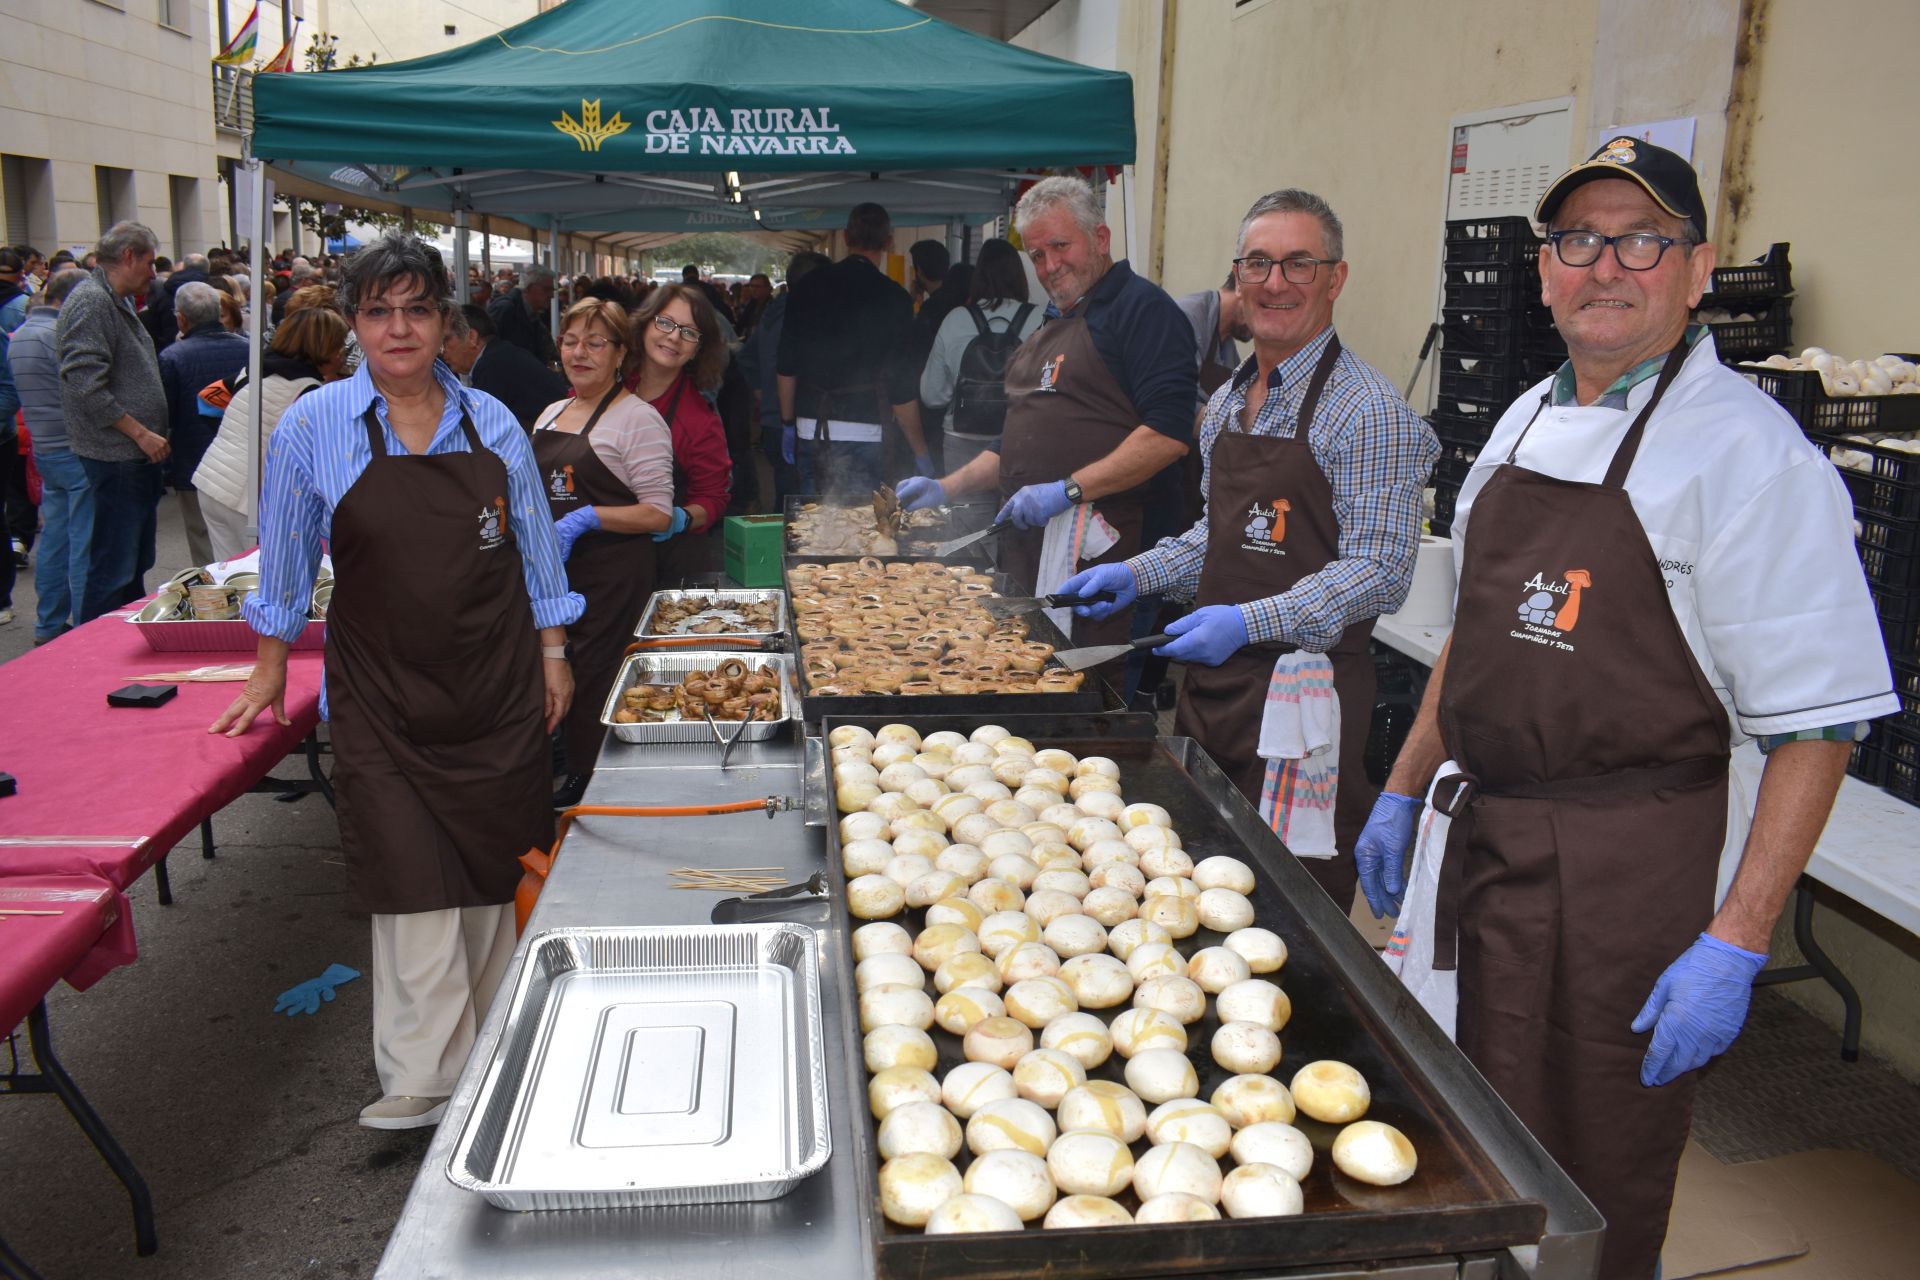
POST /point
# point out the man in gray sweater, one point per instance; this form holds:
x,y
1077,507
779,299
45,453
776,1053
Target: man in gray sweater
x,y
116,412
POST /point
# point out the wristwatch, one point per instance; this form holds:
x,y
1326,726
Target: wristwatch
x,y
558,652
1075,494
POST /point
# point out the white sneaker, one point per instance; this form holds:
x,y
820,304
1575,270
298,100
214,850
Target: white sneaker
x,y
403,1111
6,616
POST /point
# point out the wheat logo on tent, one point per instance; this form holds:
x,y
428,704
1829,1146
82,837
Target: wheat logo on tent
x,y
588,130
1543,606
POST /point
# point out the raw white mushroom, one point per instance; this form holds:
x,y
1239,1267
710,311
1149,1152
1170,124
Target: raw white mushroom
x,y
1262,949
963,860
1045,779
1330,1091
955,806
1009,812
1074,934
1145,815
1177,1167
1260,1191
1087,832
1035,797
1274,1143
896,1046
898,733
1178,916
889,967
1138,1030
1179,997
1096,803
875,897
1177,1206
964,1008
1091,766
994,895
914,1185
1223,910
1376,1153
1016,1179
904,868
1014,743
1026,960
941,942
926,792
1123,938
1053,855
876,939
895,1004
1088,784
1173,887
1165,861
1098,981
897,1086
919,1126
1245,1048
1013,865
1047,1075
1249,1100
965,1214
851,735
855,771
1101,853
1161,1075
1047,905
1061,816
1005,929
924,891
1222,872
954,910
916,819
921,842
1192,1121
851,797
1110,904
865,857
1119,875
936,765
1068,880
1081,1035
972,828
1010,1124
1090,1163
988,734
1076,1213
1000,1041
1038,1001
863,826
1216,968
1255,1000
1143,840
1105,1106
901,774
972,1085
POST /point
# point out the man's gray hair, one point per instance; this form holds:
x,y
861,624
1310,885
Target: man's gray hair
x,y
123,238
194,262
1072,194
395,258
536,275
198,304
302,270
1294,200
58,286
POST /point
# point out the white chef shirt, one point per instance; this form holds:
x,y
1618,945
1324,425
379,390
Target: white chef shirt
x,y
1752,527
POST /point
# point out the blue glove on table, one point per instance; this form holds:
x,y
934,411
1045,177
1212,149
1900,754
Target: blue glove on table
x,y
1697,1008
923,464
679,525
1380,854
570,526
1116,578
1207,636
789,439
1033,506
306,997
916,492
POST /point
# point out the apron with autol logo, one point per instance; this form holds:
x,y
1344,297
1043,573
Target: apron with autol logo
x,y
1270,523
434,687
614,571
1064,411
1589,821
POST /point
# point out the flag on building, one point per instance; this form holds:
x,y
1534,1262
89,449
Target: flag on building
x,y
283,60
239,50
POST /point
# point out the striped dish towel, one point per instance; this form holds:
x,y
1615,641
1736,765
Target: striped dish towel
x,y
1300,741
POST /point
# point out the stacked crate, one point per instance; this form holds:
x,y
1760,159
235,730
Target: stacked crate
x,y
1495,341
1761,289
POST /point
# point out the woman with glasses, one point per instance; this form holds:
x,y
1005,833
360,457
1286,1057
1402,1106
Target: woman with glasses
x,y
680,357
606,462
446,664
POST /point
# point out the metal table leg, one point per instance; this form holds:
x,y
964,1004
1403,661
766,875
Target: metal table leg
x,y
206,836
53,1078
161,883
1819,965
13,1266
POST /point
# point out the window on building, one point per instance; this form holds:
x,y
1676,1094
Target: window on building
x,y
113,195
27,210
174,14
183,198
452,30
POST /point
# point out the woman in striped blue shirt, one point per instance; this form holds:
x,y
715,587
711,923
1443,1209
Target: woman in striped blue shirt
x,y
441,699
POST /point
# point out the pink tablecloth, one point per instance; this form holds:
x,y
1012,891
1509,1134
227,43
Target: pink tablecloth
x,y
92,934
107,790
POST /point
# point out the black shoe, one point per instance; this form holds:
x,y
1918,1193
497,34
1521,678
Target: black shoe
x,y
568,793
1165,696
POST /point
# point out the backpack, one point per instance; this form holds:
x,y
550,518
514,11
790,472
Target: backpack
x,y
980,392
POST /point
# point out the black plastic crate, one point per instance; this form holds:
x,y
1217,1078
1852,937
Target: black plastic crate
x,y
1889,551
1769,332
1906,685
1491,332
1807,402
1888,487
1869,760
1491,286
1499,386
1450,473
1483,240
1441,524
1768,276
1505,367
1468,432
1899,613
1899,746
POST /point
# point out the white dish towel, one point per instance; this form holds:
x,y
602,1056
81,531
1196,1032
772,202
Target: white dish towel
x,y
1300,741
1073,537
1409,951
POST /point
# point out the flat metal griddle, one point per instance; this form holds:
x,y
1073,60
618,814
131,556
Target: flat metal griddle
x,y
1460,1201
960,518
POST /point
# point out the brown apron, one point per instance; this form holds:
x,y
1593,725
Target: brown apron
x,y
1064,411
1270,524
1589,821
614,571
434,684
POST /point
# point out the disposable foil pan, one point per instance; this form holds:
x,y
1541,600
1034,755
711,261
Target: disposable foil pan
x,y
188,635
659,668
653,1066
724,602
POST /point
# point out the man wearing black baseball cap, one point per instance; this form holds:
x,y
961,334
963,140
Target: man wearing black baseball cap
x,y
1653,563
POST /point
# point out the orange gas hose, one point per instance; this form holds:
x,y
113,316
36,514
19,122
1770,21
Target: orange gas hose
x,y
690,642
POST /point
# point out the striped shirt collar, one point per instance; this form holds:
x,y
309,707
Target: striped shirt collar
x,y
361,394
1615,397
1295,367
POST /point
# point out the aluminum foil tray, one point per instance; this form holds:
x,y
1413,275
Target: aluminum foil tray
x,y
653,1066
189,635
724,602
657,668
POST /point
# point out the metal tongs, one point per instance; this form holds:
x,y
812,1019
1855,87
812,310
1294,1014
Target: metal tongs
x,y
726,744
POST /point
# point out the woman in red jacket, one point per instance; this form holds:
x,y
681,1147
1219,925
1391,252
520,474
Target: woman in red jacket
x,y
678,354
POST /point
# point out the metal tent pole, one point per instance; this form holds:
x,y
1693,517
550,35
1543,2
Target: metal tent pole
x,y
460,287
256,436
553,261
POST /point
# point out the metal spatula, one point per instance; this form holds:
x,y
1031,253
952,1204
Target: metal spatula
x,y
1081,659
944,549
1014,606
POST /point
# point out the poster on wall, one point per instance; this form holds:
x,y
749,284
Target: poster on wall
x,y
1674,135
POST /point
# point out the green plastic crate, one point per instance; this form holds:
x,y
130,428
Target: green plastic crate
x,y
753,548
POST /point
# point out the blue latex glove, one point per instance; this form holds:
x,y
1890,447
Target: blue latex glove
x,y
570,526
789,440
1033,506
1208,636
1380,854
1116,578
306,997
923,464
916,492
679,525
1697,1008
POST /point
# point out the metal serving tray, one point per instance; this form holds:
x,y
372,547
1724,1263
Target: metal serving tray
x,y
956,520
1482,1184
723,600
653,1066
656,668
232,635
